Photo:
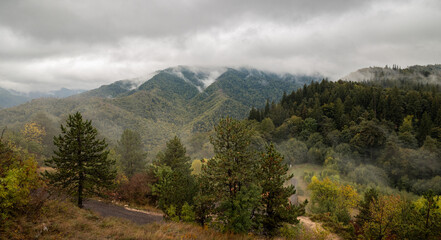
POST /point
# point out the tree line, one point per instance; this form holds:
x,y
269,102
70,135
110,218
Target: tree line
x,y
349,124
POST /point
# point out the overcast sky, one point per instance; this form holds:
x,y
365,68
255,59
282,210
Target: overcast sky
x,y
46,45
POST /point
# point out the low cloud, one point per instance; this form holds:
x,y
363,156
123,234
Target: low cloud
x,y
45,45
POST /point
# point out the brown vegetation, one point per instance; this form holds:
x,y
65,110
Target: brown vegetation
x,y
62,220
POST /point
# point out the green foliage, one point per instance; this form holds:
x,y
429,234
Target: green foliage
x,y
171,213
424,185
369,197
18,180
430,211
277,209
232,174
162,107
369,175
330,197
187,213
175,186
392,217
236,212
294,151
81,162
385,217
132,155
244,192
363,123
290,232
267,126
205,198
174,156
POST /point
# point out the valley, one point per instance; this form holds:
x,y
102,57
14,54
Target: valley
x,y
353,148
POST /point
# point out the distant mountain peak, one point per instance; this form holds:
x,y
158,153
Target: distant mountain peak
x,y
193,80
200,77
10,98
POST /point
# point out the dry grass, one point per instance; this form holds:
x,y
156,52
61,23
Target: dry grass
x,y
62,220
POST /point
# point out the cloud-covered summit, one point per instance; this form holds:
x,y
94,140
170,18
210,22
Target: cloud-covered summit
x,y
48,44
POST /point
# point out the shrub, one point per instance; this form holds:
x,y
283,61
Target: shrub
x,y
19,181
187,213
137,189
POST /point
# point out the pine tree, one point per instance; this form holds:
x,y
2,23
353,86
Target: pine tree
x,y
232,175
130,149
424,128
81,164
176,186
175,156
275,197
254,114
267,109
364,214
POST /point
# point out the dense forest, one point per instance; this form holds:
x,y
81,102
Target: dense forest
x,y
392,133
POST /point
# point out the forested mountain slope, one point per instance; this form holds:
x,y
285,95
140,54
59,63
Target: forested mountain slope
x,y
173,101
354,128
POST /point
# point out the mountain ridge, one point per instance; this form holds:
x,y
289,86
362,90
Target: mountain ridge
x,y
166,104
11,98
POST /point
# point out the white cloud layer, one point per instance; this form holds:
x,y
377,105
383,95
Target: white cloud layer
x,y
48,44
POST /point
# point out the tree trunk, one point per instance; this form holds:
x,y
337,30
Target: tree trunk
x,y
80,191
81,174
80,187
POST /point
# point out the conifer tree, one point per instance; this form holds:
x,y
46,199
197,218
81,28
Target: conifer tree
x,y
232,174
176,186
175,156
424,128
131,150
275,197
363,216
81,164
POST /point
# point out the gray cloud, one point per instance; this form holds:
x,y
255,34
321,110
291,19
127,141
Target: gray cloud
x,y
82,44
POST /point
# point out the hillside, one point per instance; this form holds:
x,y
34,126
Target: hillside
x,y
394,129
180,100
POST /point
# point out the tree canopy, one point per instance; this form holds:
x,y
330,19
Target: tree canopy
x,y
81,164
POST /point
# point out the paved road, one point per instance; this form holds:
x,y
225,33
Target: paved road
x,y
106,210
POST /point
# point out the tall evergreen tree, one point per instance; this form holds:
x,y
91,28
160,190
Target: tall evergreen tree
x,y
81,164
424,128
363,216
130,149
175,156
232,174
176,186
275,196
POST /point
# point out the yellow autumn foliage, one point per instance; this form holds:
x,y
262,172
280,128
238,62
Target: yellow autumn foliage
x,y
33,132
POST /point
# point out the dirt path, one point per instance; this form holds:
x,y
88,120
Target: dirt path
x,y
109,210
314,226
